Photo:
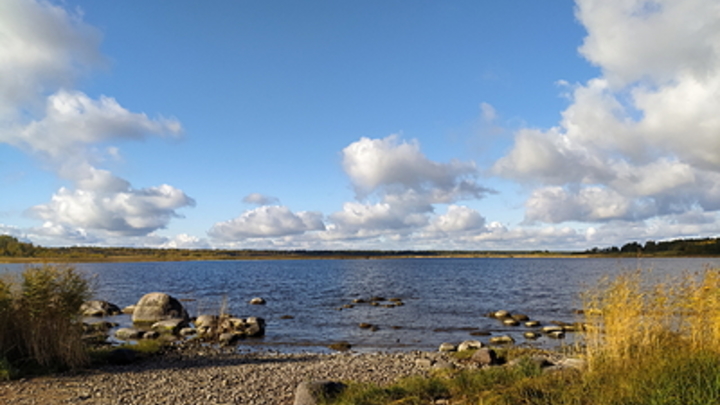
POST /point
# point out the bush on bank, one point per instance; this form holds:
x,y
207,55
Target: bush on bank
x,y
40,318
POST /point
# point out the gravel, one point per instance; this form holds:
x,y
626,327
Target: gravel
x,y
214,377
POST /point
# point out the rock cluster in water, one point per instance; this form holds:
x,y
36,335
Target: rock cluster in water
x,y
159,315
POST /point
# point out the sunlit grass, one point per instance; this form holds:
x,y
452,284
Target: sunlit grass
x,y
646,342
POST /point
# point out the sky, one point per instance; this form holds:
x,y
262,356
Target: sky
x,y
379,124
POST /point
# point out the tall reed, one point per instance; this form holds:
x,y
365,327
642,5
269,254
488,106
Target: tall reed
x,y
652,340
41,318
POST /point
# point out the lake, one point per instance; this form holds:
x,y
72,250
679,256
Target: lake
x,y
444,299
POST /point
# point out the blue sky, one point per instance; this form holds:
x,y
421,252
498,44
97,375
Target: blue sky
x,y
359,125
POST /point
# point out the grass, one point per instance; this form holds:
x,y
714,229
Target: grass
x,y
646,342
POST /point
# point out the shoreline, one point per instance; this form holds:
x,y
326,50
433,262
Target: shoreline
x,y
216,377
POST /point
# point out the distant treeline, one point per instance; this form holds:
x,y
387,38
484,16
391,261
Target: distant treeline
x,y
11,247
14,250
671,248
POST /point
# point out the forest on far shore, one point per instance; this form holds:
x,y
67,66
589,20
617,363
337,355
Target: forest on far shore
x,y
12,249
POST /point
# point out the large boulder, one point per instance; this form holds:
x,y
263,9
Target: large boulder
x,y
99,308
317,392
156,306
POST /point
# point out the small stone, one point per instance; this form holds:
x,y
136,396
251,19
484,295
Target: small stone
x,y
447,347
423,362
531,335
470,345
257,301
502,340
341,346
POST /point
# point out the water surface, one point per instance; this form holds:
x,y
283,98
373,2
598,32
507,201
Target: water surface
x,y
445,299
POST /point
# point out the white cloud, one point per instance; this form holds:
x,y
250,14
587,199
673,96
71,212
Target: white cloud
x,y
185,241
260,199
129,213
640,142
398,189
458,219
391,167
44,50
266,221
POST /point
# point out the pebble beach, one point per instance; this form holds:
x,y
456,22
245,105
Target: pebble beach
x,y
198,377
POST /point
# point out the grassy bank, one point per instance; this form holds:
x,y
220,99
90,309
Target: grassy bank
x,y
646,343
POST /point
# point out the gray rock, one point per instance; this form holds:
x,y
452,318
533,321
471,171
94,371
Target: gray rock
x,y
209,321
447,347
502,340
557,334
154,307
171,326
128,334
150,335
423,362
469,345
128,310
99,308
484,357
255,327
229,338
443,365
520,317
552,328
258,301
316,392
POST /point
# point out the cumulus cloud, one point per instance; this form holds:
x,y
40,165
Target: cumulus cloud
x,y
260,199
641,141
44,50
185,241
459,219
397,189
396,168
266,221
129,213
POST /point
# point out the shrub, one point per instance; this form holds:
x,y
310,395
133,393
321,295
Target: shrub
x,y
41,318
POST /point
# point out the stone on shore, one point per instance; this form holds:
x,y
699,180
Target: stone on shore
x,y
484,357
470,345
155,307
313,392
447,347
